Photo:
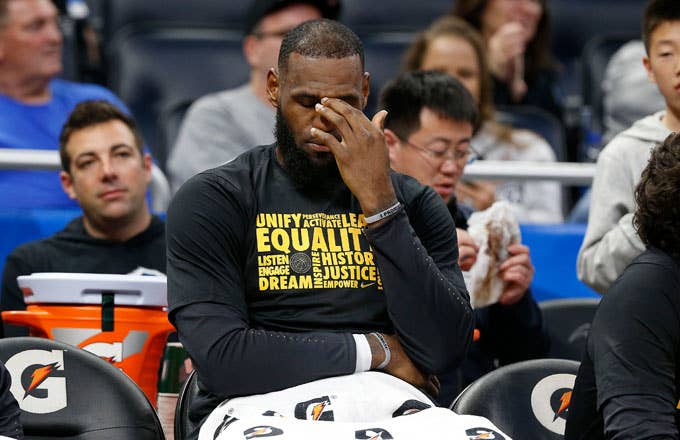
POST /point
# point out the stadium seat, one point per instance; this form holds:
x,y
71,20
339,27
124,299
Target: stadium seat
x,y
366,18
383,53
526,400
575,22
70,394
169,124
155,68
554,249
567,322
120,14
189,391
596,55
537,120
21,226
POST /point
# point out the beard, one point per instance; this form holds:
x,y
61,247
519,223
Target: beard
x,y
311,176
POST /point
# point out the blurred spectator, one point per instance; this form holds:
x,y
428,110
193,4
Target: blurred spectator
x,y
428,128
628,385
517,34
33,103
220,126
452,46
611,242
106,171
628,94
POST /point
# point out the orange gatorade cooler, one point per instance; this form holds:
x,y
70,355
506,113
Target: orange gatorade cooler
x,y
121,318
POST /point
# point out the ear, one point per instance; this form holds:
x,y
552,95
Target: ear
x,y
366,88
648,67
250,49
273,87
67,185
393,143
147,164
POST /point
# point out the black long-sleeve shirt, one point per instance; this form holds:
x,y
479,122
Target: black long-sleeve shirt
x,y
628,384
266,283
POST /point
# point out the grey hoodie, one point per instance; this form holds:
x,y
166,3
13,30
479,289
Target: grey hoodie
x,y
611,241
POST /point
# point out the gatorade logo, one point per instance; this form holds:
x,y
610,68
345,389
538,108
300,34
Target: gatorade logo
x,y
262,431
315,409
550,400
35,382
483,434
109,351
373,434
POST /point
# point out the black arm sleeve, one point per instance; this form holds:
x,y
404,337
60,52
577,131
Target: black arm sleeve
x,y
206,229
427,300
512,333
639,417
235,360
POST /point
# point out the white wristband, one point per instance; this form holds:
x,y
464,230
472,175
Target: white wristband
x,y
386,349
383,214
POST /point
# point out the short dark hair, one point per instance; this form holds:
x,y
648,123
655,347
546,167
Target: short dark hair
x,y
657,217
87,114
405,96
657,12
321,38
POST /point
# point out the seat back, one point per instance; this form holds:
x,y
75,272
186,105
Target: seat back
x,y
366,18
526,400
155,68
539,121
121,14
383,53
183,425
554,249
68,393
567,322
575,22
169,124
596,55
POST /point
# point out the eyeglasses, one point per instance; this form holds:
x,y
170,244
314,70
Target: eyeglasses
x,y
440,156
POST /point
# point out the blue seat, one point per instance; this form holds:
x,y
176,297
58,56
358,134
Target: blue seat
x,y
117,15
155,68
384,52
575,22
379,16
537,120
20,226
554,249
596,55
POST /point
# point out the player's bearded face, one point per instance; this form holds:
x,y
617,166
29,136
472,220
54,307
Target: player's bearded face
x,y
307,174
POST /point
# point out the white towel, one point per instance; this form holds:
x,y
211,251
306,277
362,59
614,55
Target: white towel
x,y
369,405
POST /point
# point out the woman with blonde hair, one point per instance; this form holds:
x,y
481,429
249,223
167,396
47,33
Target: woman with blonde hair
x,y
452,46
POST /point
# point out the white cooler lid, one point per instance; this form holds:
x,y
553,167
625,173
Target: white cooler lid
x,y
87,288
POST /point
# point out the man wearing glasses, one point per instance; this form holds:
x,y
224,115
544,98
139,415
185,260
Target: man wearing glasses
x,y
430,120
220,126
